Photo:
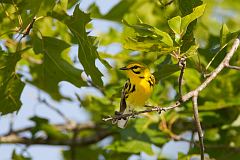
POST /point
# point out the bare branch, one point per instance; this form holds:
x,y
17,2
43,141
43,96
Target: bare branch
x,y
133,114
28,28
198,125
13,139
182,64
233,67
100,133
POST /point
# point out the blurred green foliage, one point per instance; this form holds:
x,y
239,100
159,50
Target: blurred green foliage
x,y
156,33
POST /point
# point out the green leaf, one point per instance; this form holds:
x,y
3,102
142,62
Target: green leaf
x,y
11,86
182,156
191,51
51,131
186,6
54,67
197,12
165,70
116,13
226,103
223,35
212,134
146,45
146,30
131,146
88,153
224,152
175,25
87,51
16,156
37,7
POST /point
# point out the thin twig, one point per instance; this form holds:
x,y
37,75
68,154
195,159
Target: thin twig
x,y
182,64
29,27
73,146
56,110
233,67
192,140
198,125
96,86
11,123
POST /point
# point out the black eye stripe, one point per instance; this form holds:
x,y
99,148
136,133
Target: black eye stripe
x,y
136,72
135,67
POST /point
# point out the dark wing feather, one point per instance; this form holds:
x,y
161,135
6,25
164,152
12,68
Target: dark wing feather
x,y
124,96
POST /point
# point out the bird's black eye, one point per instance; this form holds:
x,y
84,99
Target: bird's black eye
x,y
136,69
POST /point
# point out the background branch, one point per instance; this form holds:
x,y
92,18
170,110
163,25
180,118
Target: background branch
x,y
100,133
198,125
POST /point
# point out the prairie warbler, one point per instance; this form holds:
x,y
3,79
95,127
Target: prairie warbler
x,y
136,91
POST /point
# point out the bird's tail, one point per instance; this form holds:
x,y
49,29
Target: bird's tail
x,y
122,123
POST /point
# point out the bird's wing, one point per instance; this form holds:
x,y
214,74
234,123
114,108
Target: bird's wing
x,y
125,90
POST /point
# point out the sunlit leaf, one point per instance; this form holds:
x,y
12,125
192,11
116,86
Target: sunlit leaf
x,y
175,25
116,13
191,51
147,30
220,104
212,134
16,156
50,130
165,70
197,12
133,146
223,34
87,51
54,67
146,45
11,86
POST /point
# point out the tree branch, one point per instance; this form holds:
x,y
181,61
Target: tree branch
x,y
100,133
198,125
13,139
133,114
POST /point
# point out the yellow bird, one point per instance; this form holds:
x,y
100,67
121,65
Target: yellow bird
x,y
136,91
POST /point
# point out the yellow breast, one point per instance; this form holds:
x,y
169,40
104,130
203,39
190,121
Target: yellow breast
x,y
142,93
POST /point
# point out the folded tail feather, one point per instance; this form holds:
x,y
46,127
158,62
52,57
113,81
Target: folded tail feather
x,y
122,123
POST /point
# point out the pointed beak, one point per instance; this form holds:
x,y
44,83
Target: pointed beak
x,y
124,68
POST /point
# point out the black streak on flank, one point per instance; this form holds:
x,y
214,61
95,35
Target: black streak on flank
x,y
150,83
142,77
129,87
133,88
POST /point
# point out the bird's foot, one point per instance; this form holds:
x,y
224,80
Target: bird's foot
x,y
119,115
133,113
159,109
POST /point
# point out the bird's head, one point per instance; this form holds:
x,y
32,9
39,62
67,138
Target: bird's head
x,y
136,70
